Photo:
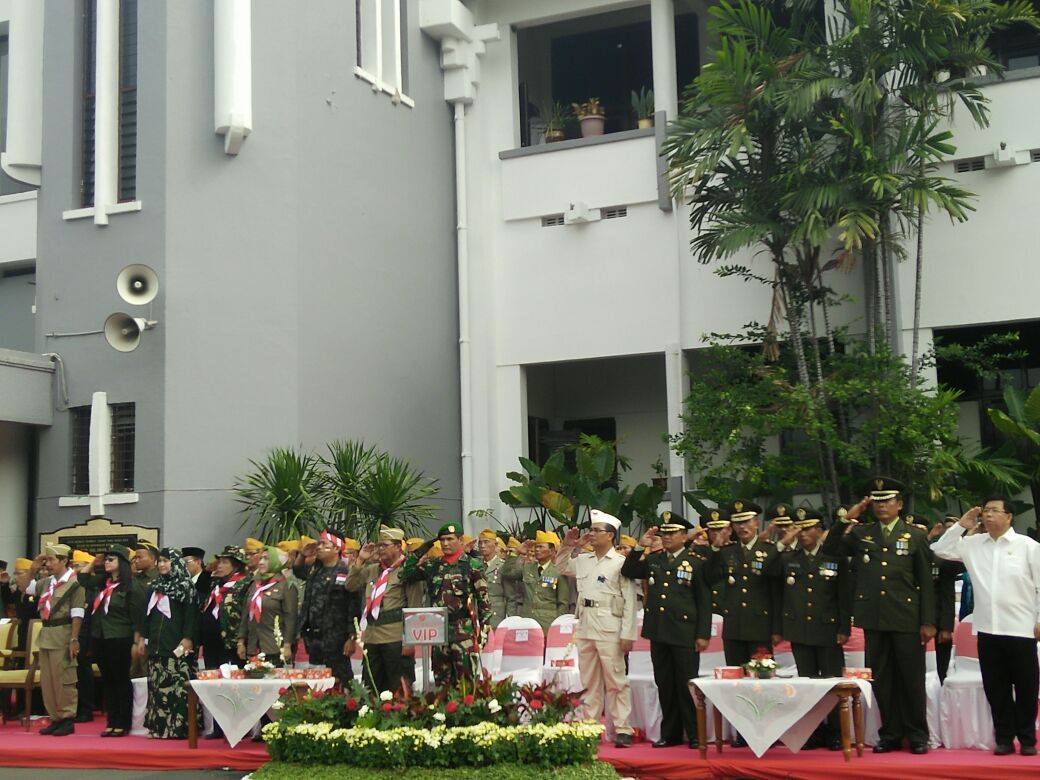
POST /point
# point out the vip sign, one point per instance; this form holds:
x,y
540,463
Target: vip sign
x,y
425,626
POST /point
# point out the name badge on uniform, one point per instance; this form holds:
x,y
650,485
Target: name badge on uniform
x,y
341,578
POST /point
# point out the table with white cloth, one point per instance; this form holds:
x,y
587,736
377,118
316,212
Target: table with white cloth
x,y
785,709
238,705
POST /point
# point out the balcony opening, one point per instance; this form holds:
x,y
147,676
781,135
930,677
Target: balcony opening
x,y
1017,47
607,56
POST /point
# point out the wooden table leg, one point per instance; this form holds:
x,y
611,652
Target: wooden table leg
x,y
702,726
846,724
857,718
718,729
193,718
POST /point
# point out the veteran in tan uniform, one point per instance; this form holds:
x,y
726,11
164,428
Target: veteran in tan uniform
x,y
62,604
606,620
382,619
502,598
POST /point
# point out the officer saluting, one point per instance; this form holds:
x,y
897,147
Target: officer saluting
x,y
895,606
677,621
817,607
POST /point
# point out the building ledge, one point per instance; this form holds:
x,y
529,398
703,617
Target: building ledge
x,y
1008,75
18,197
577,143
90,211
26,394
109,498
27,360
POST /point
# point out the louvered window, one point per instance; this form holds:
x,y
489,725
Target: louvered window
x,y
616,212
80,422
127,175
124,424
552,221
969,165
1036,155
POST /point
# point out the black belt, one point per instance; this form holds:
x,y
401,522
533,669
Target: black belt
x,y
387,616
589,603
57,622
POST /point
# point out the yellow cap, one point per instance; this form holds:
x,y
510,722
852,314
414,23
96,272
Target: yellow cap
x,y
306,540
587,548
22,564
289,545
546,537
487,533
436,551
351,544
253,545
628,541
513,543
414,544
499,543
466,539
78,556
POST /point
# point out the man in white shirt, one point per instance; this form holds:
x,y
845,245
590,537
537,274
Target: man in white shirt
x,y
606,620
1004,567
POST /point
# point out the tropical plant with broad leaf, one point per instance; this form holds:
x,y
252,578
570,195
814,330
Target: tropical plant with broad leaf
x,y
394,493
345,466
282,496
1021,424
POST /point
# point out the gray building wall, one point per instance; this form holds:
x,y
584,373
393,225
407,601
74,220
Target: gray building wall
x,y
307,286
16,318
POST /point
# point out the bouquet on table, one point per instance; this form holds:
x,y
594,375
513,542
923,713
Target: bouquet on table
x,y
258,667
761,665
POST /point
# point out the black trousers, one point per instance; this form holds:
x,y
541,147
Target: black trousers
x,y
821,661
942,658
1009,664
113,657
738,652
674,667
215,653
384,666
330,652
85,683
896,659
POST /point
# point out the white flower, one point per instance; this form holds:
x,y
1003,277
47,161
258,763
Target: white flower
x,y
439,716
494,706
277,705
363,711
386,696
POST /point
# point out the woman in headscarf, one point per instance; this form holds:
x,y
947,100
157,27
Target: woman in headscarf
x,y
169,635
117,610
268,623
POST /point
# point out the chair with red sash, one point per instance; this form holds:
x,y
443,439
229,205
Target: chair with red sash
x,y
561,655
964,716
523,649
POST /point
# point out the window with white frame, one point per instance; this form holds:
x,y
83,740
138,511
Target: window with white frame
x,y
382,51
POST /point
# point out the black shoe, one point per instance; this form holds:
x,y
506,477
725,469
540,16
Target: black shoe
x,y
738,742
622,740
694,743
919,748
215,735
887,746
1003,749
50,729
667,743
85,717
835,744
65,728
1027,750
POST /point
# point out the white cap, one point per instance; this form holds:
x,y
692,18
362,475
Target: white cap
x,y
603,517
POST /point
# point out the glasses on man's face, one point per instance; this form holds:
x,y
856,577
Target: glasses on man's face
x,y
993,510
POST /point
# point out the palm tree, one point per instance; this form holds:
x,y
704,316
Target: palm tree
x,y
394,493
345,467
281,496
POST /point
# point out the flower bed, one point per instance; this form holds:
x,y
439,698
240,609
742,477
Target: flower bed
x,y
479,723
442,746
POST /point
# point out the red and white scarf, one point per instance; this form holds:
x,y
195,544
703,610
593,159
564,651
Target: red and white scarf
x,y
219,592
52,585
256,608
160,601
104,596
375,599
332,539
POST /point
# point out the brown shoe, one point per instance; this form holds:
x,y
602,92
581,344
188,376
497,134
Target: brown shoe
x,y
623,740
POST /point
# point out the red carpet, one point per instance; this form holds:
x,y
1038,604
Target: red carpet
x,y
87,750
681,763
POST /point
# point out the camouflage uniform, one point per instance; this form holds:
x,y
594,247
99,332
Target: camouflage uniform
x,y
462,589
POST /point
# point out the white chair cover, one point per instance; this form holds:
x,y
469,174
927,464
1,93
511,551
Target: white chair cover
x,y
964,715
140,706
491,655
523,650
560,645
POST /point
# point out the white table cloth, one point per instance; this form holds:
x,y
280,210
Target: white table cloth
x,y
784,709
140,706
238,705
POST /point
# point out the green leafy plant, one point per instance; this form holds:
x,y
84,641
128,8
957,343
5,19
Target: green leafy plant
x,y
392,492
346,466
643,103
1021,424
555,116
281,496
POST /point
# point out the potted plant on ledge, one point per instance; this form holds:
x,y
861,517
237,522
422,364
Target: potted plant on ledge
x,y
643,106
555,119
660,479
590,115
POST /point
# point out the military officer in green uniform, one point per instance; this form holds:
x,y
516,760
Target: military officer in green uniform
x,y
454,581
816,616
546,593
714,534
501,598
62,605
750,604
894,604
677,621
781,520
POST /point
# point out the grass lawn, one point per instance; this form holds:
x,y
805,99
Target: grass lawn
x,y
275,770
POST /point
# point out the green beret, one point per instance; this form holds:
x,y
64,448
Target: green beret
x,y
121,551
449,528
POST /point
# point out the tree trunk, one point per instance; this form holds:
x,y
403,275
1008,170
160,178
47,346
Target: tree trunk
x,y
890,296
867,259
918,266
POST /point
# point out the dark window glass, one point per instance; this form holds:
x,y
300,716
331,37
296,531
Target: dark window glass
x,y
87,140
1018,46
127,100
123,435
80,422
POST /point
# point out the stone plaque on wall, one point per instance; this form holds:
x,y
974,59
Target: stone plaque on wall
x,y
95,536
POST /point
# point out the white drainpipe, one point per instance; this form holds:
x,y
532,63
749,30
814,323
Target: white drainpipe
x,y
462,258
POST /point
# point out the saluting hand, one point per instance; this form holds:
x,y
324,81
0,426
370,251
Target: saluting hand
x,y
858,509
366,553
971,518
572,537
790,535
647,539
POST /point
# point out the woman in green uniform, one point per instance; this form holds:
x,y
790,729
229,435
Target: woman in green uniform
x,y
118,608
269,615
169,633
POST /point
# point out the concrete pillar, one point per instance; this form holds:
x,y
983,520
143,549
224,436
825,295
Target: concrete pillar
x,y
14,490
510,438
662,37
677,388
